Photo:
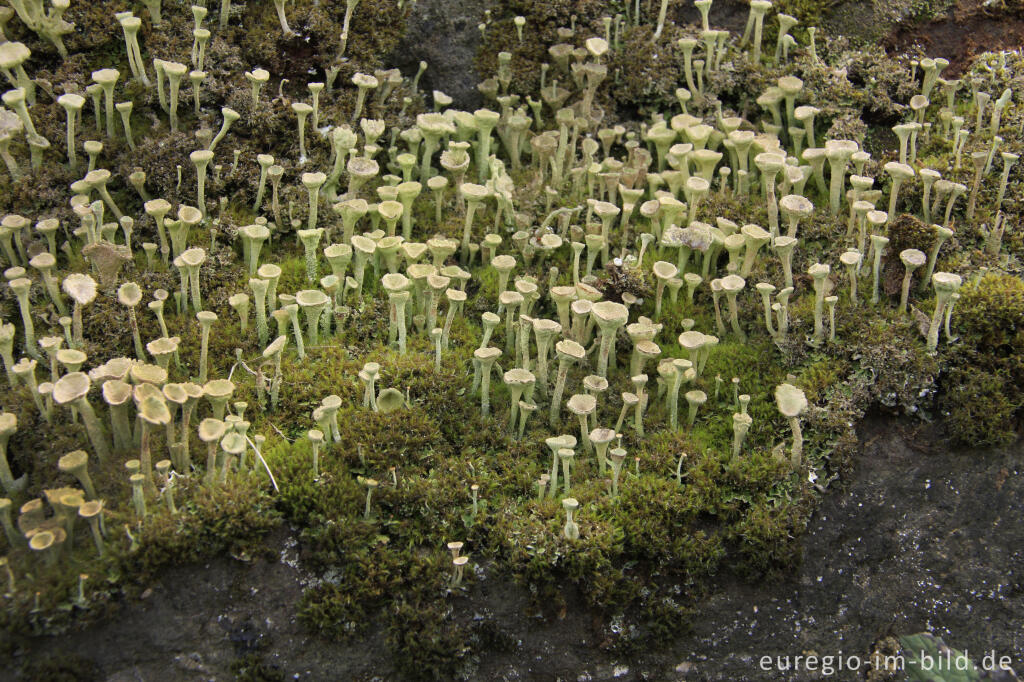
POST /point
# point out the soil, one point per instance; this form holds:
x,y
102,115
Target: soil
x,y
919,537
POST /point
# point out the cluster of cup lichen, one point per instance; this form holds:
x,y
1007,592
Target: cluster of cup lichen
x,y
541,340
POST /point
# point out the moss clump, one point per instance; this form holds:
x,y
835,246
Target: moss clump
x,y
983,388
234,518
906,232
428,644
252,668
819,375
542,21
67,667
615,281
767,537
979,407
909,232
890,360
376,27
877,83
809,12
646,73
990,319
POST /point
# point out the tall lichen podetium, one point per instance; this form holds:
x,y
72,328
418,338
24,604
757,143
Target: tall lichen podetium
x,y
350,7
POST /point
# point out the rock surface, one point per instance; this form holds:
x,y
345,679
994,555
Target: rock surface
x,y
443,33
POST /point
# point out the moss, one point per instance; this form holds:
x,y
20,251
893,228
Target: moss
x,y
253,668
809,12
234,518
888,352
614,281
877,83
376,27
905,232
645,74
34,449
921,11
982,393
979,407
819,375
427,644
644,533
67,667
766,538
369,578
542,21
989,317
908,232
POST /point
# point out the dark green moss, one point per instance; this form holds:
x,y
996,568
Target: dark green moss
x,y
614,281
908,232
979,407
234,518
990,318
253,668
428,645
982,388
67,667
